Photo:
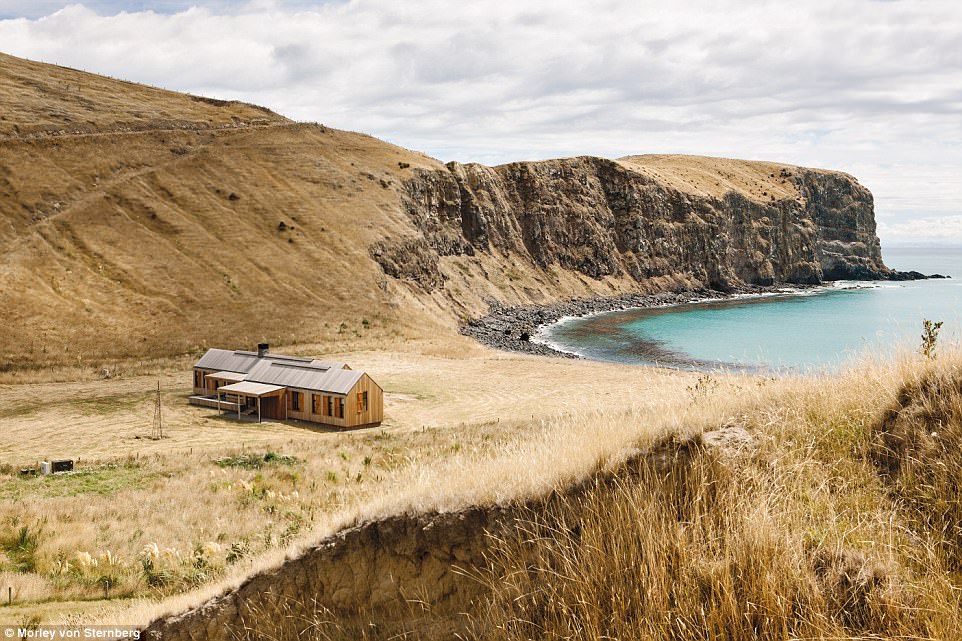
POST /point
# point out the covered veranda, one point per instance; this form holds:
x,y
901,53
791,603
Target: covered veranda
x,y
268,399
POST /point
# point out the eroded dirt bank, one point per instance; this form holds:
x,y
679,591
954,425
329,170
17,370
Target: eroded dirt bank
x,y
404,573
376,577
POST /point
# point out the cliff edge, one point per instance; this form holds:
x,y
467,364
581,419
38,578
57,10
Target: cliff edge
x,y
659,221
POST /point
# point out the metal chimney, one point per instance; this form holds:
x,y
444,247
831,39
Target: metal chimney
x,y
262,349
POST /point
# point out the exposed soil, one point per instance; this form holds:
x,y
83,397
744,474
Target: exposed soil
x,y
407,572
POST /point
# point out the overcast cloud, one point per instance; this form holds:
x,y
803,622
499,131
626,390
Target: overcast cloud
x,y
869,87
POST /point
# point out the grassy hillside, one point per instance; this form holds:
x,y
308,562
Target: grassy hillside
x,y
841,520
40,99
138,222
160,242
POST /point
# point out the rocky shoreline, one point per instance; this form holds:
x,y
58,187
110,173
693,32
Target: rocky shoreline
x,y
512,328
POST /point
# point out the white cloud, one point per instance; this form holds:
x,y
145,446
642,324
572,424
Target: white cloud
x,y
872,88
935,230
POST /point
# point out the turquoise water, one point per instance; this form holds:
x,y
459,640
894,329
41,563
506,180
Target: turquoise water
x,y
818,329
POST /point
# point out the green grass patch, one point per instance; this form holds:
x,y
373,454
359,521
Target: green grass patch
x,y
103,480
255,461
97,406
20,546
102,405
20,411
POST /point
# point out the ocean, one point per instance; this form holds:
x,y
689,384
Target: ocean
x,y
815,330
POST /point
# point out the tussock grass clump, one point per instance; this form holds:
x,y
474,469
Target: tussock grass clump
x,y
917,446
842,521
690,550
20,546
255,461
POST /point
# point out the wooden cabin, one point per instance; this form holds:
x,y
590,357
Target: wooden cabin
x,y
265,385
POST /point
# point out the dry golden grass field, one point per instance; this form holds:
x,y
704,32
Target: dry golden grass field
x,y
838,518
130,493
759,181
822,507
40,98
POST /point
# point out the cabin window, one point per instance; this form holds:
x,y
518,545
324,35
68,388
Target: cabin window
x,y
198,379
296,401
362,402
330,406
340,408
316,403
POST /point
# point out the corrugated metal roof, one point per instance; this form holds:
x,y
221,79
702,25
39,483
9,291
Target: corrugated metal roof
x,y
251,389
242,361
227,360
311,376
228,376
279,369
285,357
340,381
329,364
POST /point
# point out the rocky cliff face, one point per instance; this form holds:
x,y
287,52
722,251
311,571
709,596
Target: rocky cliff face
x,y
603,218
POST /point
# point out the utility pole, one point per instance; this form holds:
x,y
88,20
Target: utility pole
x,y
158,429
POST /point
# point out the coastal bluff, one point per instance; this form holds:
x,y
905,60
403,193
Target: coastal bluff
x,y
664,222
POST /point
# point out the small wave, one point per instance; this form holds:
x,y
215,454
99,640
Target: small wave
x,y
542,337
802,293
862,284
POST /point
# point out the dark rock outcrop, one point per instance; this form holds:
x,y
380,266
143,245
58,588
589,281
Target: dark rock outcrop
x,y
410,259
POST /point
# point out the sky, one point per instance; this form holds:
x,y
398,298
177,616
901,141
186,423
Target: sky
x,y
870,87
